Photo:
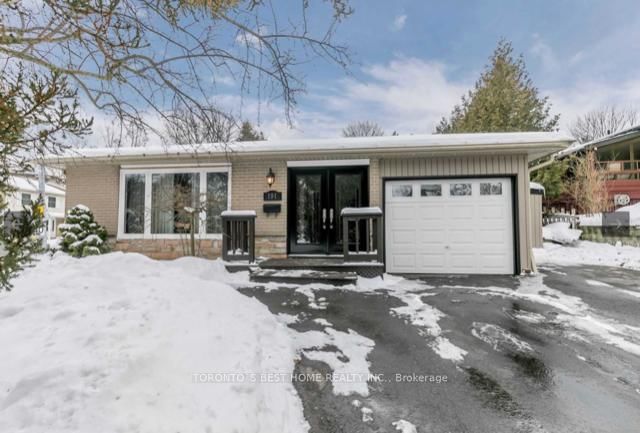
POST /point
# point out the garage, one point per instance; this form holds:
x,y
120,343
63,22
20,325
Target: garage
x,y
450,226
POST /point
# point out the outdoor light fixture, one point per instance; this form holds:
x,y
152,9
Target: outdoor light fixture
x,y
271,177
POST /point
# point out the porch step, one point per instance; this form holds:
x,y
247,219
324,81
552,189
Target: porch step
x,y
303,276
327,264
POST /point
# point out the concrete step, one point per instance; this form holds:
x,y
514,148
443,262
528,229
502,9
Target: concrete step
x,y
329,264
303,276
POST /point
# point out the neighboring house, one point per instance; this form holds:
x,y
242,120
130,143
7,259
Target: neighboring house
x,y
25,187
619,156
455,203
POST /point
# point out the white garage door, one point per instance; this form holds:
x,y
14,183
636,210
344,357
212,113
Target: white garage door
x,y
457,226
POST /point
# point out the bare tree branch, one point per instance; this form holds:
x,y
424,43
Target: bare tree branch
x,y
602,122
186,126
362,129
129,57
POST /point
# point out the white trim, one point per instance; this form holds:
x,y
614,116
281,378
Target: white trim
x,y
148,171
161,166
328,163
163,169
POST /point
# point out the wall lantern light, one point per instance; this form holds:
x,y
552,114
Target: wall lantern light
x,y
271,177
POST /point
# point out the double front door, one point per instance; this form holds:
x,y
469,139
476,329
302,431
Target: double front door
x,y
316,198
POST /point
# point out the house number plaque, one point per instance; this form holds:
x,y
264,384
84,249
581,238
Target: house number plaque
x,y
272,196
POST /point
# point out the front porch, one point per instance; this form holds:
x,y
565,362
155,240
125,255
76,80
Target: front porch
x,y
362,251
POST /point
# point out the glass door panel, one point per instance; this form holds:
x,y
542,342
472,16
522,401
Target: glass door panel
x,y
348,193
308,209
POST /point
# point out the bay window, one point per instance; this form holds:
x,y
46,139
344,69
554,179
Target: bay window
x,y
169,203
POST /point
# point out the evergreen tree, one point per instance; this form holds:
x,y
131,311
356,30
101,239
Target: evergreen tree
x,y
249,133
553,177
504,99
19,241
38,111
81,234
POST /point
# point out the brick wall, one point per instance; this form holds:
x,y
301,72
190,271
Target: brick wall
x,y
96,186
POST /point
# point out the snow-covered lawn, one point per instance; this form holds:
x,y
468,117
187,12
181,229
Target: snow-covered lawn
x,y
589,253
123,343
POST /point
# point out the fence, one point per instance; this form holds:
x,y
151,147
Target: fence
x,y
560,216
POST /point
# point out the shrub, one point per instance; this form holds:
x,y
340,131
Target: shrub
x,y
81,234
19,241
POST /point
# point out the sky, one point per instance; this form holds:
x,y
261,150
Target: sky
x,y
414,59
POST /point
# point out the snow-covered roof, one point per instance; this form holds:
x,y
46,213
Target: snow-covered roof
x,y
536,144
536,186
22,183
600,142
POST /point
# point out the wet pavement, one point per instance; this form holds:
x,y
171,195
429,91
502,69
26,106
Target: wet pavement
x,y
554,378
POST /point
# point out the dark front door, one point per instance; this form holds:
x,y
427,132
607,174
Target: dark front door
x,y
316,198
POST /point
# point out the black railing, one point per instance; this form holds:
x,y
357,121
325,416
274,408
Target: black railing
x,y
362,234
239,235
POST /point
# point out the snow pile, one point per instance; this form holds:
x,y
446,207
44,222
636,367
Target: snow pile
x,y
634,213
589,253
595,220
560,233
499,338
405,426
590,220
426,318
367,414
308,291
120,342
349,363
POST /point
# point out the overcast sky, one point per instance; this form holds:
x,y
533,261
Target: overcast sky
x,y
415,58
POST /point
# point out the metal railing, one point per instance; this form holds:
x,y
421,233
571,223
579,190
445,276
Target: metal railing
x,y
362,234
239,235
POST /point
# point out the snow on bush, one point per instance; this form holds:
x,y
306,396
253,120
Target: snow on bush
x,y
81,234
560,233
122,343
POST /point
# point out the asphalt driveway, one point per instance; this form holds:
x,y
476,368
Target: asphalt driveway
x,y
579,370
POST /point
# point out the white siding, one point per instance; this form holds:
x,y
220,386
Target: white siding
x,y
472,165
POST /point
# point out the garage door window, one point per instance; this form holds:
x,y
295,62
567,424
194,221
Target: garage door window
x,y
491,188
432,190
402,191
459,189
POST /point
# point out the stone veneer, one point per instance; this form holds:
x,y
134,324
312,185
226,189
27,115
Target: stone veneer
x,y
167,249
164,249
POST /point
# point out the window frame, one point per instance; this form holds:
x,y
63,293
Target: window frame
x,y
55,201
148,172
22,197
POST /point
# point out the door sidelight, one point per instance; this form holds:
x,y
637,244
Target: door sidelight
x,y
324,218
331,218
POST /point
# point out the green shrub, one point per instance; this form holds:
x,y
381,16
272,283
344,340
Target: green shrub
x,y
81,234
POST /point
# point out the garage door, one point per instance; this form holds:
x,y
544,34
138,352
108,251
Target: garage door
x,y
457,226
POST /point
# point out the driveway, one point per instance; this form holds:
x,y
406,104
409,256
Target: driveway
x,y
558,352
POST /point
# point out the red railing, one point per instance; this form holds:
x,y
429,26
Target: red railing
x,y
621,169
